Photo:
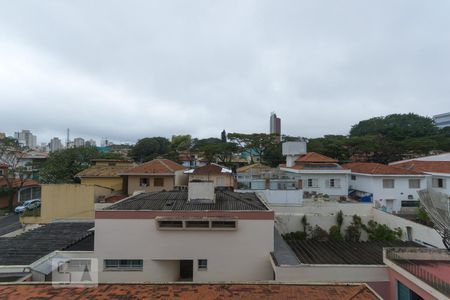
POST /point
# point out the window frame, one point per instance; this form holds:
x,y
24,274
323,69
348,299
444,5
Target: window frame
x,y
123,265
141,179
202,264
413,180
437,181
158,181
388,180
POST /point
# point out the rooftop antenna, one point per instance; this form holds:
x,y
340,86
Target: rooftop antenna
x,y
68,138
437,206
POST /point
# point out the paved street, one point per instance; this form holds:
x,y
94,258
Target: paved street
x,y
9,224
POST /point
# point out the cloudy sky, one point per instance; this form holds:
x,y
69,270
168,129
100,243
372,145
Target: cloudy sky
x,y
130,69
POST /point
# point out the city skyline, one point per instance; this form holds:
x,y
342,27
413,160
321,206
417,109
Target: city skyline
x,y
321,66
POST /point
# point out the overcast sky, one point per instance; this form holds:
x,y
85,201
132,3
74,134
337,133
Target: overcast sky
x,y
131,69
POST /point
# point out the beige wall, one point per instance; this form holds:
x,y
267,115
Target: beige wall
x,y
219,180
67,201
111,182
236,255
134,184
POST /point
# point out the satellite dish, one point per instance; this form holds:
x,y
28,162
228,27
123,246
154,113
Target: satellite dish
x,y
437,206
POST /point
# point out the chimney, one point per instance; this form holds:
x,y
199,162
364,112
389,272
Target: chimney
x,y
292,150
201,192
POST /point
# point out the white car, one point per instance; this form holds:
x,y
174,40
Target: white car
x,y
27,205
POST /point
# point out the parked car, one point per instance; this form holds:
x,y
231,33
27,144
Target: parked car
x,y
27,205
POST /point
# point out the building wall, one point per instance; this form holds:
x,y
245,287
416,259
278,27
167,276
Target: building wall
x,y
445,178
111,182
285,197
401,190
68,202
134,184
420,233
322,183
224,179
233,255
395,277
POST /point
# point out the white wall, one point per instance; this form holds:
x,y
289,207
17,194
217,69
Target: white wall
x,y
235,255
420,233
401,190
445,177
322,184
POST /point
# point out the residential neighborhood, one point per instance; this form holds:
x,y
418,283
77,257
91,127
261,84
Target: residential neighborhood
x,y
224,150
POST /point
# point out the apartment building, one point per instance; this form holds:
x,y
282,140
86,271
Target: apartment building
x,y
221,176
199,235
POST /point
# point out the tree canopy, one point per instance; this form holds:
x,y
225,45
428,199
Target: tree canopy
x,y
149,148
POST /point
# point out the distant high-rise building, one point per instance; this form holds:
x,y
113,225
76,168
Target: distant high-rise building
x,y
78,142
55,144
275,126
26,138
90,143
2,135
442,120
104,142
223,136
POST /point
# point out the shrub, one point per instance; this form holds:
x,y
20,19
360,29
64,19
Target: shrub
x,y
295,235
382,232
335,233
319,234
353,231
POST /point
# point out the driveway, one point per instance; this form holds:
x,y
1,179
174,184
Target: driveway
x,y
9,224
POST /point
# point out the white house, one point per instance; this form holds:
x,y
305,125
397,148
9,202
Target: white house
x,y
196,235
391,187
437,166
317,174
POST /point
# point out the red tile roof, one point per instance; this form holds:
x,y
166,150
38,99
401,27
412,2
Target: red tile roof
x,y
313,157
189,291
426,166
156,166
378,169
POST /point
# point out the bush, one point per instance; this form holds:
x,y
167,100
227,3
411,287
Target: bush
x,y
335,233
353,231
295,235
319,234
32,213
382,232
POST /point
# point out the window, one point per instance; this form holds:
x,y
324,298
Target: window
x,y
313,183
334,183
438,183
223,224
143,181
353,177
410,203
197,224
111,164
170,224
1,172
388,183
123,264
202,264
414,183
158,182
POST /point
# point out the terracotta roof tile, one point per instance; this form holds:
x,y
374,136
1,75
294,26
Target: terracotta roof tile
x,y
103,171
156,166
426,166
313,157
189,291
378,169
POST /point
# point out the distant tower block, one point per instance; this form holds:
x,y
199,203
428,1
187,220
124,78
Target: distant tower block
x,y
275,126
292,150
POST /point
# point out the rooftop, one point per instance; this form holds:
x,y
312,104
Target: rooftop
x,y
103,171
378,169
313,157
31,245
156,166
425,166
211,169
253,167
191,291
178,201
343,252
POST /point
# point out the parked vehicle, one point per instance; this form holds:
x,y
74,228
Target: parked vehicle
x,y
28,205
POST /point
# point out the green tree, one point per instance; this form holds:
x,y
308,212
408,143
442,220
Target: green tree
x,y
214,149
12,155
181,142
382,232
353,231
61,166
150,148
257,143
335,233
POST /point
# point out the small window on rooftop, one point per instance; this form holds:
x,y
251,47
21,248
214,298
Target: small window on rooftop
x,y
170,224
223,224
197,224
202,264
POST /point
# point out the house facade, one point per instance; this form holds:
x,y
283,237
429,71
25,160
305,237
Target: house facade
x,y
153,176
105,173
221,176
318,174
200,235
392,188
